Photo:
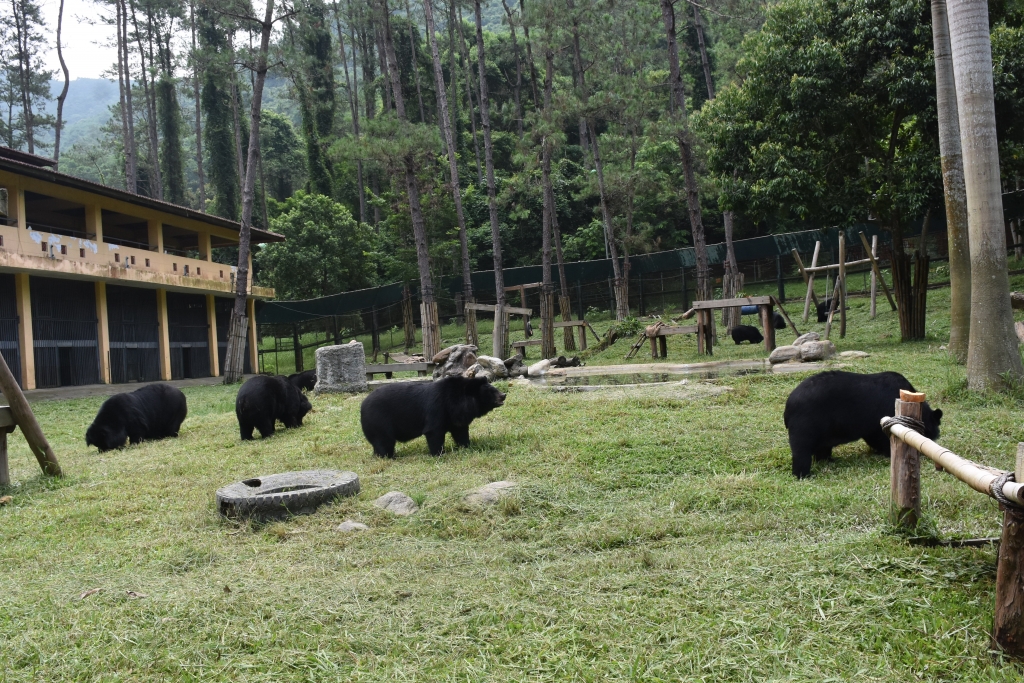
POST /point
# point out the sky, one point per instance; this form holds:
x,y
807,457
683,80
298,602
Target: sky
x,y
88,42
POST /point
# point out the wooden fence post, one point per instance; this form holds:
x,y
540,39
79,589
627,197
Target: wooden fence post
x,y
565,308
767,323
1008,624
905,469
842,286
472,335
778,276
810,282
296,347
874,277
547,324
499,333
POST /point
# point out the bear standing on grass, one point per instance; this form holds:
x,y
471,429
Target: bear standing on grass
x,y
835,407
748,333
155,411
265,399
406,410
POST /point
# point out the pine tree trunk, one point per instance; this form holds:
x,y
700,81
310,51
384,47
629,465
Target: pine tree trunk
x,y
953,184
518,87
704,289
492,201
128,111
992,356
63,93
156,188
199,113
352,87
469,99
235,360
453,163
431,333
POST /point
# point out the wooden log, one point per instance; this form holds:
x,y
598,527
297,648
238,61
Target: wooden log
x,y
874,277
565,308
23,417
491,308
842,285
472,334
878,273
715,304
905,474
569,323
810,282
978,477
583,338
831,310
803,271
6,427
1008,623
786,316
499,333
654,345
663,345
689,314
767,320
835,266
669,330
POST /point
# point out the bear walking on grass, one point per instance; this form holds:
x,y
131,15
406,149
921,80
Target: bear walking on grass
x,y
742,333
407,410
155,411
265,399
835,407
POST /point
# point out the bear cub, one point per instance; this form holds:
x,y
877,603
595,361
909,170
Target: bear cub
x,y
748,333
407,410
263,400
836,407
154,411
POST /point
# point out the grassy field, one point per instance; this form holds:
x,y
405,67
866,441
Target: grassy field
x,y
658,536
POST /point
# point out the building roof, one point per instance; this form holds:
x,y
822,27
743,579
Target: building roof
x,y
34,166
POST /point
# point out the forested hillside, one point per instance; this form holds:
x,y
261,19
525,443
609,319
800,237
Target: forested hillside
x,y
609,128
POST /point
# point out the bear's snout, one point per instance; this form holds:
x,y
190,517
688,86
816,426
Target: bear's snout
x,y
501,398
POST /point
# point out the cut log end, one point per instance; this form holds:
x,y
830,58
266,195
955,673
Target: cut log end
x,y
912,396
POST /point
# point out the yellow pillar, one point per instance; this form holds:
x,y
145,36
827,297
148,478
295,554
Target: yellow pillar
x,y
211,320
94,222
156,235
205,249
254,359
16,207
164,340
25,336
103,331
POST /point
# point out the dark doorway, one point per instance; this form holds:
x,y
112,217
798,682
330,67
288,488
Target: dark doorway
x,y
134,329
64,328
9,348
223,308
189,335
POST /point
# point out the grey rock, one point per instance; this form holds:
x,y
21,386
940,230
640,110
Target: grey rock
x,y
349,526
539,368
784,354
477,370
817,350
804,338
495,365
854,354
340,369
456,360
491,493
397,503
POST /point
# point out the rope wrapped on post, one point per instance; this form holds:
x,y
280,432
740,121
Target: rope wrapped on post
x,y
981,478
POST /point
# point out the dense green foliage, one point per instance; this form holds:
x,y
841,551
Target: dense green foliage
x,y
325,250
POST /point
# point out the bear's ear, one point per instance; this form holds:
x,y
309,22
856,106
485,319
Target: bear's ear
x,y
938,415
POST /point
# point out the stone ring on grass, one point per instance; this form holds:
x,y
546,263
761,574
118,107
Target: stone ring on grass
x,y
288,493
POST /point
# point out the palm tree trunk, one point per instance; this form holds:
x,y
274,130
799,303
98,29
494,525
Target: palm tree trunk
x,y
992,355
953,184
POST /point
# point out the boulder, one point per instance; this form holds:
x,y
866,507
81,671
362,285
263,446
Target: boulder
x,y
784,354
817,350
397,503
854,354
456,360
491,493
477,370
340,369
348,526
495,365
804,338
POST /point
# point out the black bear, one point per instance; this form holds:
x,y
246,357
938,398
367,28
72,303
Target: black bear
x,y
778,322
823,307
263,400
742,333
835,407
155,411
304,380
404,411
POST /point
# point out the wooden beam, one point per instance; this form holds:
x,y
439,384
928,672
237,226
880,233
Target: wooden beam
x,y
810,283
667,331
715,304
491,308
570,323
786,316
834,266
878,273
533,285
22,415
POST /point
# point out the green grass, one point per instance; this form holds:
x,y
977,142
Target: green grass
x,y
658,536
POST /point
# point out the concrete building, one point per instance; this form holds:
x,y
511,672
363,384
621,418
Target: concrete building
x,y
99,285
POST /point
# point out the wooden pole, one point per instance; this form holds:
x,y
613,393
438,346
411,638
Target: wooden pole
x,y
547,324
5,472
832,309
810,282
472,335
878,273
842,285
874,277
565,308
1008,624
408,322
27,421
778,276
296,347
769,327
786,316
905,469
